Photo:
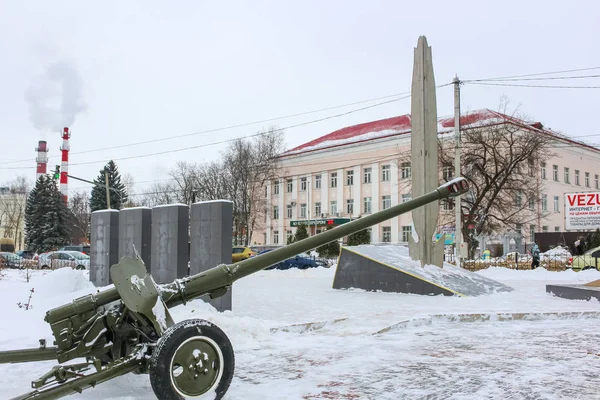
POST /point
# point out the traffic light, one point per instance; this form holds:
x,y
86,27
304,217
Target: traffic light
x,y
57,172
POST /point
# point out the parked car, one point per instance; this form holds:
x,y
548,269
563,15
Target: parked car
x,y
300,261
11,260
240,253
62,259
27,254
82,248
587,260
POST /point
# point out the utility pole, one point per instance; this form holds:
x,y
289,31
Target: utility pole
x,y
107,189
458,223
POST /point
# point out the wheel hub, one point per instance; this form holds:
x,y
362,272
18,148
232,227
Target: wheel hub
x,y
195,366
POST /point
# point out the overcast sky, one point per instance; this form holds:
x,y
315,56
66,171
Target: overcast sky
x,y
138,71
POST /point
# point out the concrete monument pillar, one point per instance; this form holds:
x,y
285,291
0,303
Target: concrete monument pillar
x,y
170,237
425,172
104,245
210,241
135,232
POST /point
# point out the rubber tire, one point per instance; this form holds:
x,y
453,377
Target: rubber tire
x,y
160,375
80,267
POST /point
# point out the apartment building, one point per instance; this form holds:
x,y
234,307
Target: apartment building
x,y
364,168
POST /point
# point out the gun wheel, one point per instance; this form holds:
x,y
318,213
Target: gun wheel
x,y
191,359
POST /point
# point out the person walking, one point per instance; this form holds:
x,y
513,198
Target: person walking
x,y
535,255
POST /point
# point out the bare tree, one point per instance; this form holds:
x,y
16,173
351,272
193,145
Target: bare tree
x,y
79,204
249,165
12,209
184,180
501,162
159,194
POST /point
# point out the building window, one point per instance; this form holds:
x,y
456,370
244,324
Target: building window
x,y
276,237
289,211
531,203
557,229
386,234
447,204
555,173
544,202
406,197
350,206
349,178
367,203
530,167
405,170
531,233
567,175
518,200
556,205
334,179
406,232
275,212
276,187
318,209
333,207
303,210
317,181
303,184
290,185
519,229
596,181
265,237
288,235
367,175
386,202
447,173
577,177
543,170
385,173
587,179
545,228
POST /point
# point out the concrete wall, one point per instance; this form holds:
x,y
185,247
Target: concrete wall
x,y
104,250
210,242
169,254
135,232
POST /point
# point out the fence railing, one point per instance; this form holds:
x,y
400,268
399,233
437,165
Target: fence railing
x,y
8,263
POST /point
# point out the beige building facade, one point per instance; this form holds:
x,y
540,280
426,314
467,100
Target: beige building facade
x,y
360,170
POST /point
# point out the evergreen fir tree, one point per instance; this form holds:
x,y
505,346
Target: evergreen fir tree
x,y
301,233
47,217
118,194
329,250
360,237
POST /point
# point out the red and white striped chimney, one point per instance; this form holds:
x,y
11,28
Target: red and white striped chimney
x,y
41,159
64,168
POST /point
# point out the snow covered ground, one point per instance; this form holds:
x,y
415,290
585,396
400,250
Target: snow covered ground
x,y
422,350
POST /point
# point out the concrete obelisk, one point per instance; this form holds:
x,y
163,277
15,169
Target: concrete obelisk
x,y
424,158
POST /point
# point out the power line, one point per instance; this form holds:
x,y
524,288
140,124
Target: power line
x,y
226,127
537,74
531,79
531,86
233,139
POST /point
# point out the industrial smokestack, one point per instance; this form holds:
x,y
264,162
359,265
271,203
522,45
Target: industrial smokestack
x,y
64,168
41,159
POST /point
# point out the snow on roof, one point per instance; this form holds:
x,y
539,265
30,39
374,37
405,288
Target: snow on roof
x,y
397,126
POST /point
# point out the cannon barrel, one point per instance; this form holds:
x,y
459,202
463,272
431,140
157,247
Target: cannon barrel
x,y
215,281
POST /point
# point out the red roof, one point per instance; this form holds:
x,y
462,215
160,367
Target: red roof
x,y
391,127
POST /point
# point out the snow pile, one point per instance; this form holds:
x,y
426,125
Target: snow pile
x,y
558,251
540,358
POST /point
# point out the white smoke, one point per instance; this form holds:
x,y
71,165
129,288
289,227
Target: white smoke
x,y
55,97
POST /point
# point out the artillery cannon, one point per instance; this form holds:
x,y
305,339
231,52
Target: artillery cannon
x,y
128,328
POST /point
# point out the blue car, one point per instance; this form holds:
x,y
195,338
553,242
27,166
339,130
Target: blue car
x,y
300,261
